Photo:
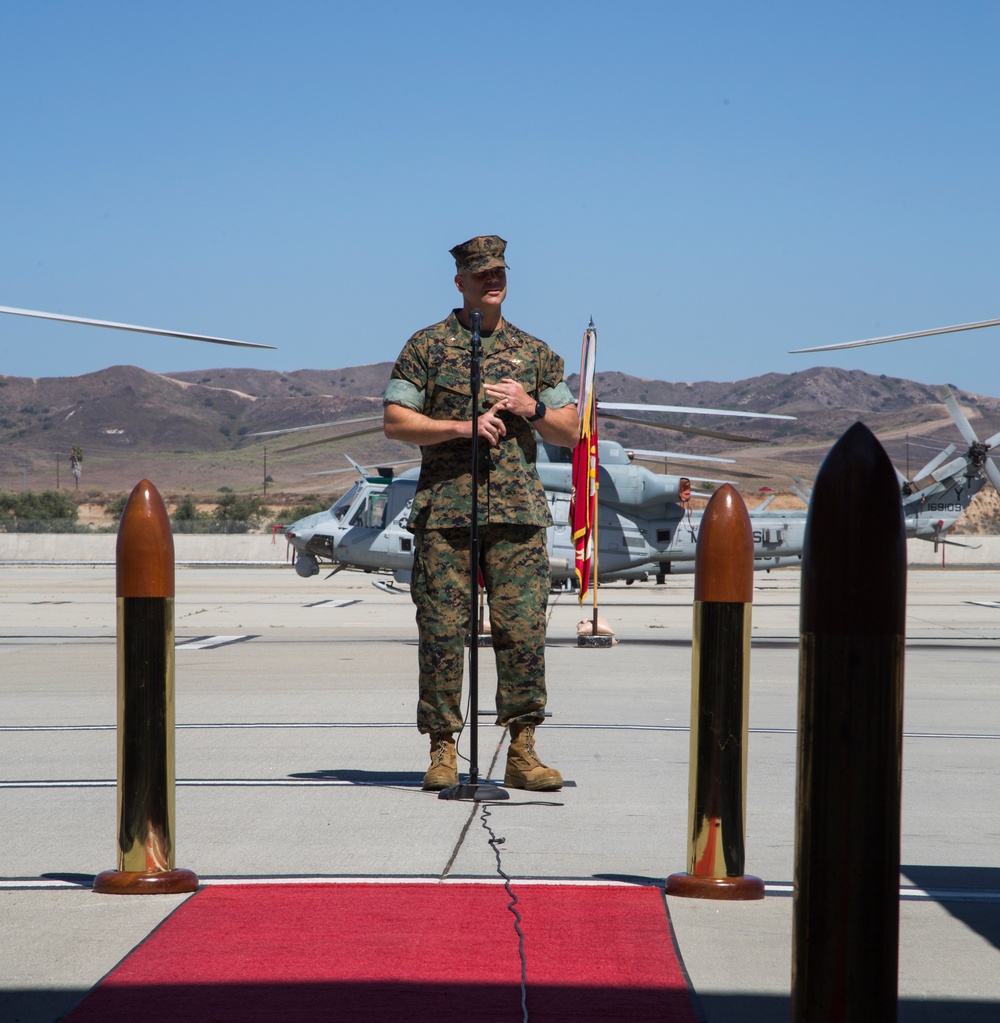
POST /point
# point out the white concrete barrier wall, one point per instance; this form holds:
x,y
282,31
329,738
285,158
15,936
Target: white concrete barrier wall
x,y
959,552
259,548
217,548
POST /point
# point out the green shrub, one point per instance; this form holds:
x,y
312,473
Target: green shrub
x,y
30,511
235,514
188,519
116,506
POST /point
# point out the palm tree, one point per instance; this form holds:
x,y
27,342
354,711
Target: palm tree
x,y
76,462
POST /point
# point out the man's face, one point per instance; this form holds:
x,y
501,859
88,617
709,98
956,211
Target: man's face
x,y
484,290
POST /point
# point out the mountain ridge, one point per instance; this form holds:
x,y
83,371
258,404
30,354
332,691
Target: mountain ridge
x,y
193,430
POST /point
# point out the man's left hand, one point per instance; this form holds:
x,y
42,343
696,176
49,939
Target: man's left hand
x,y
510,396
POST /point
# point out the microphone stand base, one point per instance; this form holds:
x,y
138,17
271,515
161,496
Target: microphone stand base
x,y
477,791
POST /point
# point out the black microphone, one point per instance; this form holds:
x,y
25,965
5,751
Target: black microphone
x,y
476,322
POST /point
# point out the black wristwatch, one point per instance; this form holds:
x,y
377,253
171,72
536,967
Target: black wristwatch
x,y
540,411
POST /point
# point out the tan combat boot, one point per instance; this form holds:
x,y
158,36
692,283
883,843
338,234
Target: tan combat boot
x,y
443,771
524,769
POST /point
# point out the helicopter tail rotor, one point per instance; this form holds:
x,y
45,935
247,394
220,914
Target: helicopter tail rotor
x,y
977,457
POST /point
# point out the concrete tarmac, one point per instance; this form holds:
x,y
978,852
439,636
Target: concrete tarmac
x,y
297,759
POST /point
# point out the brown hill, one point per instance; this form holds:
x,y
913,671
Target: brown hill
x,y
192,432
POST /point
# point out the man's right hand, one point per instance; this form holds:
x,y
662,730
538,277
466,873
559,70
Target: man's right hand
x,y
491,426
402,423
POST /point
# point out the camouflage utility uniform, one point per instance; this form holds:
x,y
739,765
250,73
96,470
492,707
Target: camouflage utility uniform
x,y
432,376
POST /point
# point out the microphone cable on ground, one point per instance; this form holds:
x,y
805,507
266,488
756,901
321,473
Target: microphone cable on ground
x,y
495,843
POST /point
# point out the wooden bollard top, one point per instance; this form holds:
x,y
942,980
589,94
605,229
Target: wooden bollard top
x,y
144,554
854,553
723,560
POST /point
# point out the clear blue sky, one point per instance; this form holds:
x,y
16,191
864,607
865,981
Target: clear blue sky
x,y
714,183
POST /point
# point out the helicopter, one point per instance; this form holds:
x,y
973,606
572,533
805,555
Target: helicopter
x,y
644,524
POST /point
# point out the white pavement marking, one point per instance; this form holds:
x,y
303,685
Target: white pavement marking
x,y
907,893
108,783
210,642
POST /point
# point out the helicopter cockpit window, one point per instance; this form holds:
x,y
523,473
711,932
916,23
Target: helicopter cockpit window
x,y
340,507
375,511
371,514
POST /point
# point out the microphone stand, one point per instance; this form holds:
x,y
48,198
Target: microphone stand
x,y
474,789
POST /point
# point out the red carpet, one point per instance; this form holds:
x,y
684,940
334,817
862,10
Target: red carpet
x,y
406,952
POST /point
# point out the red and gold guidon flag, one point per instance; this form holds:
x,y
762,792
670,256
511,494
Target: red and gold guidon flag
x,y
583,502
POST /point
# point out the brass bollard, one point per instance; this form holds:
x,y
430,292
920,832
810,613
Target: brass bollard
x,y
720,696
845,920
145,595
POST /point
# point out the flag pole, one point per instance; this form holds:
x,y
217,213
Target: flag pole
x,y
593,624
595,528
584,506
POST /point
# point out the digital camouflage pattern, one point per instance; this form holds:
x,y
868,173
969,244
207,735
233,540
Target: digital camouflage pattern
x,y
432,375
483,252
515,569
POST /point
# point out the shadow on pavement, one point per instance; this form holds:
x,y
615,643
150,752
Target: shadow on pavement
x,y
285,1002
958,883
739,1008
350,776
83,880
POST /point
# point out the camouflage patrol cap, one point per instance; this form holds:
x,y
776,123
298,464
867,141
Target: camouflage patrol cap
x,y
484,252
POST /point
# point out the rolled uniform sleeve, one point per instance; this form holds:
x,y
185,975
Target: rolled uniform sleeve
x,y
556,397
551,388
408,381
403,392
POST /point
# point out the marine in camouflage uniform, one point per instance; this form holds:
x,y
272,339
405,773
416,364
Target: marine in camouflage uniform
x,y
432,377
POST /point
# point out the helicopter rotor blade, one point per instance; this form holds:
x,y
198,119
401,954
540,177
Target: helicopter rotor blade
x,y
952,467
687,410
130,327
733,473
897,337
330,472
964,427
934,462
649,456
919,496
363,469
993,473
693,430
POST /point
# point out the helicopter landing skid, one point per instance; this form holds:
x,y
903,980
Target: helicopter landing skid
x,y
387,587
